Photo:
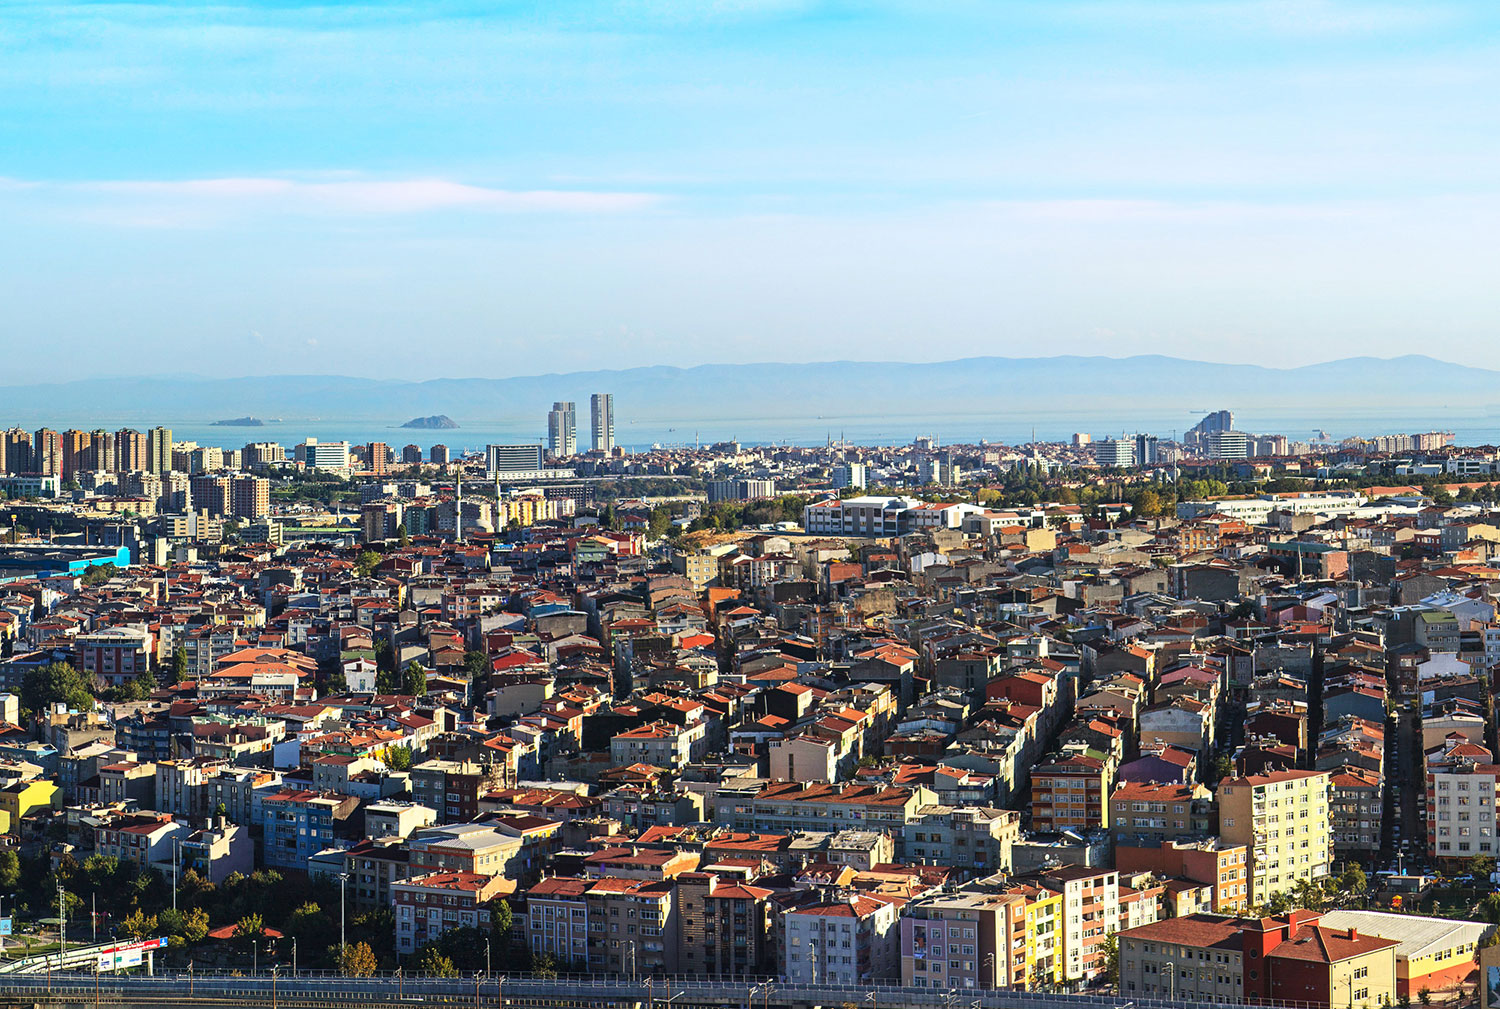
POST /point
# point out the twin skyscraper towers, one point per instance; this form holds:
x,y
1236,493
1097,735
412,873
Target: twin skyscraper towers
x,y
562,426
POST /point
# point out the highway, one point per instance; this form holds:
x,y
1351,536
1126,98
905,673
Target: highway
x,y
315,991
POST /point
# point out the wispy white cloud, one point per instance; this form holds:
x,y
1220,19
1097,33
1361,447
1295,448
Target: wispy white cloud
x,y
398,196
187,201
1311,18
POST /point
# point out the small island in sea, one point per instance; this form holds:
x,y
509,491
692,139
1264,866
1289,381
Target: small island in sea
x,y
240,422
437,422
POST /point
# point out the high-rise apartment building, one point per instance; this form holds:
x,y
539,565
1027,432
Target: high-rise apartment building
x,y
205,459
849,474
562,430
602,409
159,450
18,451
46,453
101,451
130,450
377,458
1227,445
1282,817
258,455
211,493
250,496
75,450
1146,450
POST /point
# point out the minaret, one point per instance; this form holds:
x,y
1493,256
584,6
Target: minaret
x,y
458,503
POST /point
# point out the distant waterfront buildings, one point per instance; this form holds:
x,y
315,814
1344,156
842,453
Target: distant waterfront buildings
x,y
1227,445
740,489
562,430
159,450
849,474
131,452
377,458
1146,449
1114,452
331,455
500,459
602,409
46,453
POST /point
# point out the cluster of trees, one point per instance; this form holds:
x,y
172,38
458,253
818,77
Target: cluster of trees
x,y
411,680
98,574
727,516
139,904
1320,895
60,681
43,686
646,486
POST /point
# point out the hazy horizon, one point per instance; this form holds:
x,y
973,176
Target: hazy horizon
x,y
446,189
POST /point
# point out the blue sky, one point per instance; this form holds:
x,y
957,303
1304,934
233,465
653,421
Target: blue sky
x,y
495,189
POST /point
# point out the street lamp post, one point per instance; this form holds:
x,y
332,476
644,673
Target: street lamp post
x,y
343,946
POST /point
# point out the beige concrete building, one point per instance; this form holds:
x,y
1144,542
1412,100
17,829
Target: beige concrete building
x,y
1282,817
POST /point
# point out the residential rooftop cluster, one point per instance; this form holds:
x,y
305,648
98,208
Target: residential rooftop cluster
x,y
887,738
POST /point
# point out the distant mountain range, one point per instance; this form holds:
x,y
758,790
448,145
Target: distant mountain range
x,y
662,394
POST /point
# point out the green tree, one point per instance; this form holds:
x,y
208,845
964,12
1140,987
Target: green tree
x,y
138,925
10,870
57,681
189,924
310,925
1111,950
415,681
358,960
250,926
431,961
501,922
98,574
398,758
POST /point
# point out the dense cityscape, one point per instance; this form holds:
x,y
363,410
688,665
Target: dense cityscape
x,y
1206,720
